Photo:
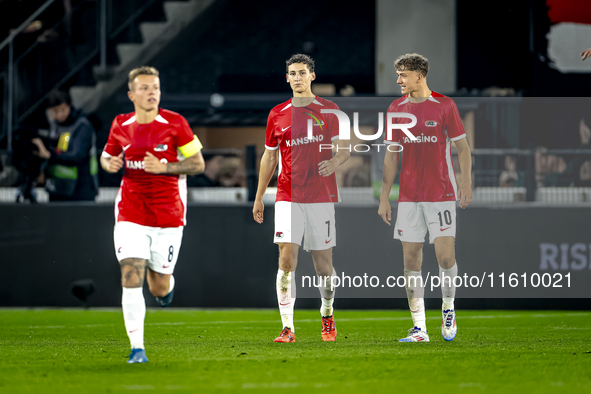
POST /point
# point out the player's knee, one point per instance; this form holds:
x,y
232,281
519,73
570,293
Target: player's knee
x,y
158,289
446,261
412,261
285,262
324,272
323,266
288,258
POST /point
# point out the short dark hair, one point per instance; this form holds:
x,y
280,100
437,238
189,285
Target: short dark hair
x,y
58,97
300,58
412,62
143,70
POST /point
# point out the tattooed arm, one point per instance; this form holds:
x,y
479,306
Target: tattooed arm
x,y
192,165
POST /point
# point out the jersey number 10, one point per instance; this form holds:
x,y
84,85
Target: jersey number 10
x,y
447,216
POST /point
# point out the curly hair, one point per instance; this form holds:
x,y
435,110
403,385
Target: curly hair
x,y
143,70
412,62
300,58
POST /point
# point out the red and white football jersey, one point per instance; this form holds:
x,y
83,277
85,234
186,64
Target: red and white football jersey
x,y
287,130
426,172
154,200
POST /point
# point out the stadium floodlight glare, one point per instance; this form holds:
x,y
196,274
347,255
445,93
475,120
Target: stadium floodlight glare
x,y
216,100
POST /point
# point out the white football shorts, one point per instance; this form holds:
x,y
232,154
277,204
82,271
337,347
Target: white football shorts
x,y
315,223
159,246
414,219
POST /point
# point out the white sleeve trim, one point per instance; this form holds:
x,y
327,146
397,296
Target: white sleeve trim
x,y
106,155
458,138
336,137
271,147
391,142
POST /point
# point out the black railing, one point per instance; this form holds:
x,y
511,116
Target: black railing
x,y
91,30
532,174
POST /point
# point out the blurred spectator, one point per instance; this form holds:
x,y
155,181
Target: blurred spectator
x,y
211,175
64,29
580,166
232,173
28,165
585,175
553,170
8,173
358,175
510,177
72,158
42,51
548,167
14,12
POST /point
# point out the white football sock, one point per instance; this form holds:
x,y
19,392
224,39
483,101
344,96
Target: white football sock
x,y
327,292
448,290
286,296
134,313
415,292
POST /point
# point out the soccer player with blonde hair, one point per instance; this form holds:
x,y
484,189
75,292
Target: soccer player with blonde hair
x,y
158,150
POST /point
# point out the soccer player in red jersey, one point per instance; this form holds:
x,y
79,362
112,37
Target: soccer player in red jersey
x,y
306,191
158,149
428,188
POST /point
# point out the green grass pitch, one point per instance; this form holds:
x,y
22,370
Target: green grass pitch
x,y
196,351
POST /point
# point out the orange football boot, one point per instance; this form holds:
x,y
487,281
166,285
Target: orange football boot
x,y
329,330
286,336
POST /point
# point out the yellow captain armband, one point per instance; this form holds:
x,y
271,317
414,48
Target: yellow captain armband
x,y
191,148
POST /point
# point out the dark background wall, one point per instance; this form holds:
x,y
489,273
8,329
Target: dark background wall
x,y
227,260
493,42
246,45
503,43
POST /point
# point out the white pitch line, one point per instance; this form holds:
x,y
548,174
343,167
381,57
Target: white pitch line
x,y
209,323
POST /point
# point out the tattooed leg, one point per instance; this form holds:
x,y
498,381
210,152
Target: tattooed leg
x,y
133,271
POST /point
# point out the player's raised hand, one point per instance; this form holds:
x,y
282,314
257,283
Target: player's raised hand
x,y
586,54
385,212
327,167
257,211
465,195
113,163
153,165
